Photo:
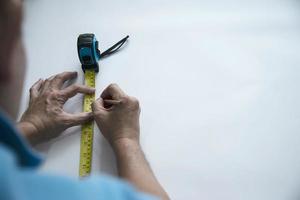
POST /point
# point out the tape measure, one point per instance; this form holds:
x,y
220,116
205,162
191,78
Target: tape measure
x,y
87,130
89,55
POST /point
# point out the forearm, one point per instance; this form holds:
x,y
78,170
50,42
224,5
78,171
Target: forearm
x,y
133,166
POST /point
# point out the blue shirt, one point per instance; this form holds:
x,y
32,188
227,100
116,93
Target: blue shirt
x,y
19,178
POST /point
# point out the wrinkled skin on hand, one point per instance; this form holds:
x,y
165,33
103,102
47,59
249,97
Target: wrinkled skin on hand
x,y
117,115
45,118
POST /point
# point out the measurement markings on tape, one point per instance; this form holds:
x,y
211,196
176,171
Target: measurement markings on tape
x,y
87,130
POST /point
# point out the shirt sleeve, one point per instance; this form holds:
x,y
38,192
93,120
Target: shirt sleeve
x,y
39,186
20,180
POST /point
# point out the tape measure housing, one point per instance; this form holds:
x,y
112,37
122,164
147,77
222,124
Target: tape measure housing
x,y
88,52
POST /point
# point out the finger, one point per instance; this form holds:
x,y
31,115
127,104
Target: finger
x,y
109,103
46,84
113,91
59,79
78,118
98,106
112,102
51,78
75,89
34,90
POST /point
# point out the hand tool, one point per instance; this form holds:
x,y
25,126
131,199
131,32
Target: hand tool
x,y
89,55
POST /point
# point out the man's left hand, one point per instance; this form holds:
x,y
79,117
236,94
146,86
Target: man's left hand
x,y
45,118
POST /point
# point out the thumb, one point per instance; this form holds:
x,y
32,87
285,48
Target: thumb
x,y
98,107
78,118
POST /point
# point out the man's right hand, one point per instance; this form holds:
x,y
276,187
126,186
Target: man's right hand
x,y
117,115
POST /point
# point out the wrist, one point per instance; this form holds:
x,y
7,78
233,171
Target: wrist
x,y
29,131
122,145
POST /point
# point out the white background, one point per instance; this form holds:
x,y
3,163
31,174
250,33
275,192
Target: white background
x,y
218,83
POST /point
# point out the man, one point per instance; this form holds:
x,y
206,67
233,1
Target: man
x,y
115,113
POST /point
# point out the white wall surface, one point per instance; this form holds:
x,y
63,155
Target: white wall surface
x,y
218,82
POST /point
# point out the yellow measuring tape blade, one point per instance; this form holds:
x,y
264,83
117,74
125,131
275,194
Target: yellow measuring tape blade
x,y
87,130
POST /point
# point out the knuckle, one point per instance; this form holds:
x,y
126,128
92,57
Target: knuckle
x,y
58,76
137,104
61,75
52,93
112,85
71,88
57,111
66,121
76,86
47,93
125,99
134,100
48,81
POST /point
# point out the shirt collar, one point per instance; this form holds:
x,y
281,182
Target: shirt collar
x,y
12,139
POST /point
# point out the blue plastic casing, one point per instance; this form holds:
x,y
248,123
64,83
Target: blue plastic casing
x,y
89,55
